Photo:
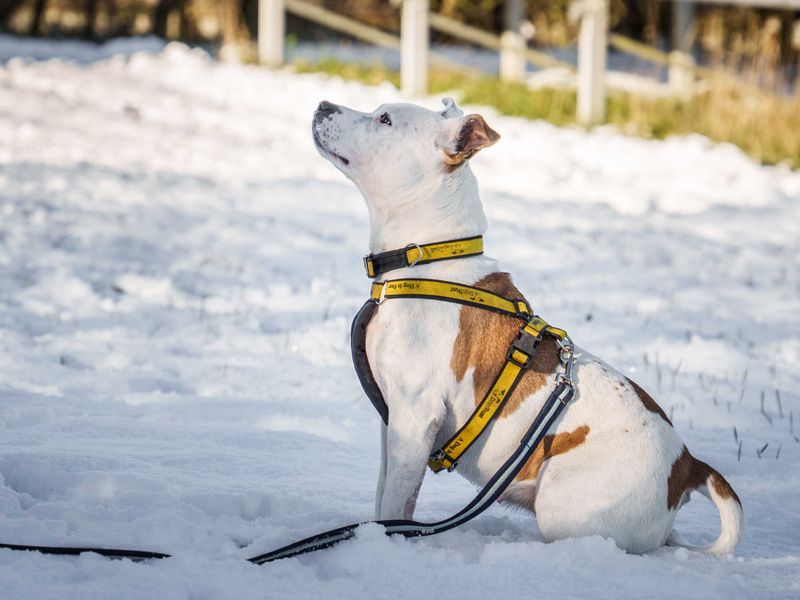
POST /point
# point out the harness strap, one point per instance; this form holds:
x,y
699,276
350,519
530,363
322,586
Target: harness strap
x,y
520,355
449,292
447,457
358,348
519,359
415,254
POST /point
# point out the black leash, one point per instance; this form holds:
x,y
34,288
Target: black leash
x,y
135,555
490,492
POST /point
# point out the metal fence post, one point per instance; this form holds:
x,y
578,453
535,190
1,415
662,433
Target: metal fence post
x,y
414,47
271,32
512,52
592,51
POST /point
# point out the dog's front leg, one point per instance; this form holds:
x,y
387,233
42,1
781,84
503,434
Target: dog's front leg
x,y
381,475
409,439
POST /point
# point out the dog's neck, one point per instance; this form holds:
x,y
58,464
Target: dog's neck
x,y
442,209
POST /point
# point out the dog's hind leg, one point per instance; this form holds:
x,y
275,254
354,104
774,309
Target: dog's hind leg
x,y
409,439
381,475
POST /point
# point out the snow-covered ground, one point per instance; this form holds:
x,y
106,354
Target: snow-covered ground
x,y
178,270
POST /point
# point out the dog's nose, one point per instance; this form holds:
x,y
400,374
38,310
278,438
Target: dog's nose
x,y
327,107
324,111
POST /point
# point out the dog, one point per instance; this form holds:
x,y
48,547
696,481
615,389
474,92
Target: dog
x,y
613,465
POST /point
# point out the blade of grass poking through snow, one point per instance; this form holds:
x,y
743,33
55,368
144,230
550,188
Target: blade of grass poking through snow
x,y
761,450
764,410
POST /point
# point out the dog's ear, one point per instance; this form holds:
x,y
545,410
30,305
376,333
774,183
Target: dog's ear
x,y
451,111
464,138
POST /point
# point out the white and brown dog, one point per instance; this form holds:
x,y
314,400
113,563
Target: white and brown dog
x,y
613,465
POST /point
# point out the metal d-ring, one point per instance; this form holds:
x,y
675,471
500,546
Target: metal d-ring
x,y
382,297
419,249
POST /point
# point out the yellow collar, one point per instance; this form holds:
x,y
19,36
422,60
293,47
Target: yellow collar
x,y
416,254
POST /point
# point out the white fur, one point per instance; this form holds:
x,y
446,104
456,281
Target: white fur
x,y
615,483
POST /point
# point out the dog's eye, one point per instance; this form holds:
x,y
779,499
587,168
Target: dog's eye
x,y
384,119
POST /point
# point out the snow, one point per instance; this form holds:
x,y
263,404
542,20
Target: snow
x,y
178,270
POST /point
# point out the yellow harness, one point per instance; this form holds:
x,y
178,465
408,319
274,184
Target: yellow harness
x,y
519,358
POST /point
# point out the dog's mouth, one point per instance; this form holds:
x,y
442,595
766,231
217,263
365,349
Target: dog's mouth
x,y
321,146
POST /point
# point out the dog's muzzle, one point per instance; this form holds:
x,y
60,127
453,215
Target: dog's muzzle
x,y
325,111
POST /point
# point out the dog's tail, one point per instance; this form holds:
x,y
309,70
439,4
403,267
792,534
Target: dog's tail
x,y
713,486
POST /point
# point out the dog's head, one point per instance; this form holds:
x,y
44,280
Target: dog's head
x,y
398,146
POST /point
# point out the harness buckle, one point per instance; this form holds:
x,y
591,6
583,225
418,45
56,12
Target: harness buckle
x,y
513,357
526,344
436,461
369,266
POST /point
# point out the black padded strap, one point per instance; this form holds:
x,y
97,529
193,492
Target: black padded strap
x,y
358,346
387,261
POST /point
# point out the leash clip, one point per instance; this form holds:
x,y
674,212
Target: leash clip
x,y
567,358
562,378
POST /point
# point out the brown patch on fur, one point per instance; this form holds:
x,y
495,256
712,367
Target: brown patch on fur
x,y
723,488
688,474
552,445
648,402
483,341
683,477
474,135
451,167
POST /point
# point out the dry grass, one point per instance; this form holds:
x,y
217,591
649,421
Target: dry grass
x,y
765,126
